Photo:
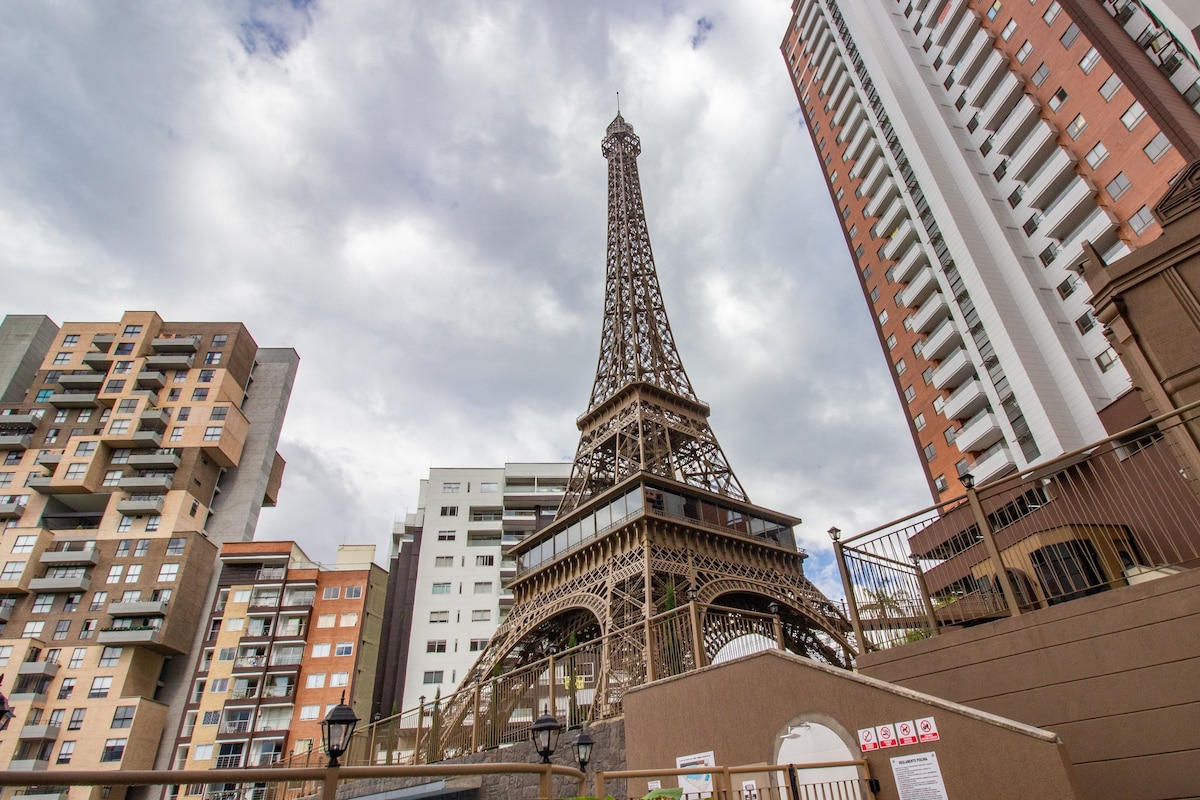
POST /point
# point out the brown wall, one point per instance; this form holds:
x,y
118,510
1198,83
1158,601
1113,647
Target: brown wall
x,y
739,710
1113,674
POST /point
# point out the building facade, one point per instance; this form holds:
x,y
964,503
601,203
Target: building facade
x,y
971,149
130,450
447,585
285,640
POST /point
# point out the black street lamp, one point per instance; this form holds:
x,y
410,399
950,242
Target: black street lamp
x,y
544,733
336,730
835,533
968,480
583,750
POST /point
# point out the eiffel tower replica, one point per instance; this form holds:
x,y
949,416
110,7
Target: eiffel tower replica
x,y
654,520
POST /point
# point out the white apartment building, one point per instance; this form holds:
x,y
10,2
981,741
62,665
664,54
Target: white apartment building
x,y
466,521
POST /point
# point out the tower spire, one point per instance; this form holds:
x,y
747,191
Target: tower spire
x,y
643,414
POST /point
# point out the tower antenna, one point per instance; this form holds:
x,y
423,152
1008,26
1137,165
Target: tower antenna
x,y
618,102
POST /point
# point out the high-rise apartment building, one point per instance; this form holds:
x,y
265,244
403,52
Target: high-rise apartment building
x,y
972,148
131,450
285,640
449,570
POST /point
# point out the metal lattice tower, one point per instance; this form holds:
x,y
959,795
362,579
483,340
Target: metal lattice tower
x,y
652,515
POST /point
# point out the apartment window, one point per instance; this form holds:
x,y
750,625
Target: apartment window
x,y
123,717
176,545
994,9
1077,126
176,435
199,395
114,750
321,650
919,421
940,483
76,472
331,593
1009,30
213,433
483,587
112,387
1089,60
114,573
451,487
100,687
1107,359
1052,13
874,294
1133,115
33,630
206,375
481,615
883,317
5,654
6,479
487,487
1086,322
219,340
212,358
131,331
88,628
62,629
910,394
1118,186
66,689
62,358
310,712
443,561
435,646
339,679
326,620
485,561
124,525
433,676
1110,87
120,456
43,396
70,340
949,434
1096,155
1067,287
23,545
77,656
891,341
441,588
85,448
446,536
123,368
42,604
167,572
1040,75
1024,52
119,426
449,511
1157,146
349,619
930,452
439,616
98,601
315,681
1060,97
77,716
353,592
134,574
901,367
1070,35
110,656
65,751
478,644
1141,220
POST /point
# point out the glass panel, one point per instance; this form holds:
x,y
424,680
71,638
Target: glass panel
x,y
587,527
603,518
617,507
633,500
573,535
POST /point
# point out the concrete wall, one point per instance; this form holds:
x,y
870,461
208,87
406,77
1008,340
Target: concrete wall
x,y
24,341
742,709
1114,674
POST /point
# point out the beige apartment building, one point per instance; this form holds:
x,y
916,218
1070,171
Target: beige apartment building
x,y
131,450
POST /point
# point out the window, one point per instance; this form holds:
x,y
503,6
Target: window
x,y
1040,75
901,367
919,421
449,511
206,375
120,456
211,718
891,341
331,593
1024,52
70,340
1067,287
6,478
930,452
114,573
110,656
65,751
1070,35
98,601
439,616
1096,155
43,396
1077,126
481,615
339,679
949,434
212,358
1009,30
349,619
446,536
433,676
1110,87
23,545
219,413
910,394
219,340
315,681
167,572
112,387
62,358
451,487
114,750
5,654
435,646
1142,220
76,472
173,394
42,603
184,413
1133,115
441,588
940,483
1052,13
443,561
994,9
874,294
1089,60
123,717
77,656
485,561
1060,97
134,574
66,689
12,570
1086,322
321,650
344,649
131,331
1107,359
353,592
100,687
483,587
176,545
112,477
61,629
309,713
883,316
478,644
199,395
89,628
213,433
1157,146
176,435
489,487
326,620
1118,186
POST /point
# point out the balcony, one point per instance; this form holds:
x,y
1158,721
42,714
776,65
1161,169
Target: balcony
x,y
241,726
994,462
144,608
73,400
965,401
1013,126
49,460
278,692
26,697
28,765
84,381
954,370
141,505
1001,103
161,361
913,259
145,440
257,662
11,510
920,288
159,459
1029,155
943,339
876,172
39,731
47,669
979,433
99,361
175,344
43,793
900,238
892,216
15,441
151,379
55,585
153,419
104,341
71,556
886,190
931,313
147,485
17,423
129,636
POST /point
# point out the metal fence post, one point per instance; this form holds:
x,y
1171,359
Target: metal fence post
x,y
475,722
989,541
924,587
851,600
697,634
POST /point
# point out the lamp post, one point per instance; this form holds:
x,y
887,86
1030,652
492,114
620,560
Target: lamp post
x,y
583,750
544,733
336,730
835,534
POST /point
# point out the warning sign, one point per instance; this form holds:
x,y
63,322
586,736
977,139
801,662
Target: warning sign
x,y
886,735
906,732
927,730
867,741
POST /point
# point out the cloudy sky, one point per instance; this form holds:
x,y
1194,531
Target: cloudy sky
x,y
412,195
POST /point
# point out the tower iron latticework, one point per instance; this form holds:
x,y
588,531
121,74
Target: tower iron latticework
x,y
655,552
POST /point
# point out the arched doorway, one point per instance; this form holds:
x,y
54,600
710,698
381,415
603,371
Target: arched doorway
x,y
817,739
